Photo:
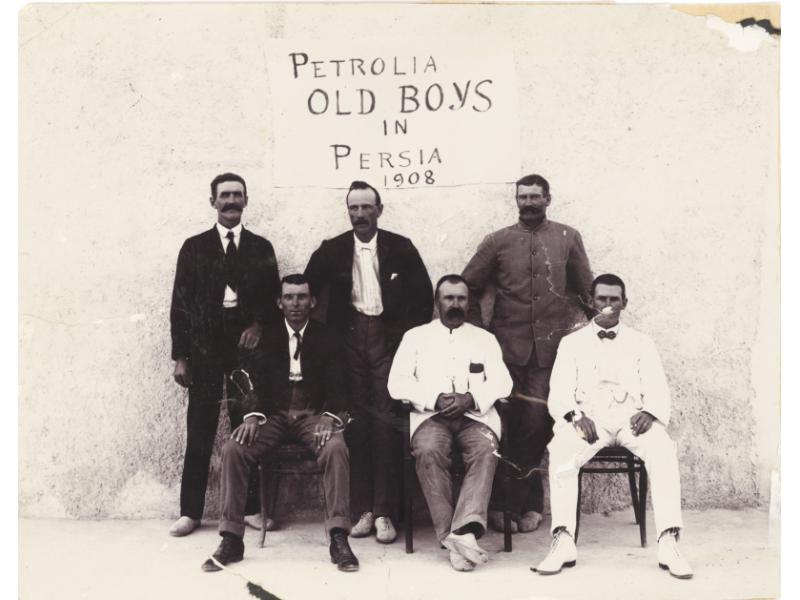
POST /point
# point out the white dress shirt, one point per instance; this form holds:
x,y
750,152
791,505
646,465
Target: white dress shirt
x,y
366,295
433,359
231,299
295,368
609,379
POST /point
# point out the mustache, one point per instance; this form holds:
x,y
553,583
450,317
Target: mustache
x,y
530,210
360,222
455,313
231,206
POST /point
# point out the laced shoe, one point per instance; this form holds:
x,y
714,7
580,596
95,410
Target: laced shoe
x,y
563,553
364,527
669,558
230,550
385,532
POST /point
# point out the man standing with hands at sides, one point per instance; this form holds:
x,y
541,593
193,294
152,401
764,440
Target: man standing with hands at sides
x,y
452,373
542,277
225,281
378,289
608,388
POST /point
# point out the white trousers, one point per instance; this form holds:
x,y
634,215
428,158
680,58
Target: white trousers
x,y
569,452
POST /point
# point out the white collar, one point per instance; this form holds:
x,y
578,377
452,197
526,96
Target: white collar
x,y
596,328
291,331
223,231
370,245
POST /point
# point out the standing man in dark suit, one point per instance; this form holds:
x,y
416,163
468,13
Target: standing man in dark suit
x,y
222,301
542,276
378,288
299,393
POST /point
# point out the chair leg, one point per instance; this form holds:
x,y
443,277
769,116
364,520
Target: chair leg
x,y
408,502
264,500
578,507
634,495
643,505
506,483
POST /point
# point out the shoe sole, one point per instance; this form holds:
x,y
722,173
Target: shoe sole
x,y
390,541
347,569
216,568
568,565
666,568
361,535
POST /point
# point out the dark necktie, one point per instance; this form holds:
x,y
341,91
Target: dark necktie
x,y
299,345
231,273
603,334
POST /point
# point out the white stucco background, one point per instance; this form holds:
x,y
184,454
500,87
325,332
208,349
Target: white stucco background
x,y
658,138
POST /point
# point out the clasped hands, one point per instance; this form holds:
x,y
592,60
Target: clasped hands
x,y
640,422
453,404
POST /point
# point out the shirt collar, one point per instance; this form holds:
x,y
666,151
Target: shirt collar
x,y
371,245
523,227
291,331
444,327
596,328
223,232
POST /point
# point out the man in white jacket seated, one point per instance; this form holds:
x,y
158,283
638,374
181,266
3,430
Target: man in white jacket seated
x,y
452,373
608,389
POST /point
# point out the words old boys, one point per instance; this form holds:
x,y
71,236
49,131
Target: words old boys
x,y
454,95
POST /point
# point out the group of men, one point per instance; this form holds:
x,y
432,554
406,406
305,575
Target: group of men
x,y
336,387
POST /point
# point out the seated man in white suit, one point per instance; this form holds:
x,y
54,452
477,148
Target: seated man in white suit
x,y
608,388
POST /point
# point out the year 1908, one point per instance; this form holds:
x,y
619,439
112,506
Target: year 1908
x,y
413,178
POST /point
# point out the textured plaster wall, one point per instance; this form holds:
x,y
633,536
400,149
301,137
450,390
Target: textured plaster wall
x,y
659,139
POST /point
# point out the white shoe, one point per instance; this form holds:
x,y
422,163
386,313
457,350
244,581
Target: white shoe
x,y
467,546
669,558
563,553
255,522
530,521
364,526
459,563
385,532
495,519
184,526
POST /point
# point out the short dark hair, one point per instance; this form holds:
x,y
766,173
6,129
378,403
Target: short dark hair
x,y
226,177
535,180
451,278
296,279
608,279
363,185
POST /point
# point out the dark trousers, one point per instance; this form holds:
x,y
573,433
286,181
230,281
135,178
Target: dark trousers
x,y
202,417
238,461
528,430
372,437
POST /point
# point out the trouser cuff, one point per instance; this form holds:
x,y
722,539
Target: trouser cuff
x,y
236,529
338,523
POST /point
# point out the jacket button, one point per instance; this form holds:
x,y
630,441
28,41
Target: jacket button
x,y
536,296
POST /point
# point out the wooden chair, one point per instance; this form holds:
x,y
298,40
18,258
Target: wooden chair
x,y
286,459
616,459
410,474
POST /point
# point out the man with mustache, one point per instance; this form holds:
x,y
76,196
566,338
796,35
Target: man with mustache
x,y
221,302
541,275
378,288
452,373
608,388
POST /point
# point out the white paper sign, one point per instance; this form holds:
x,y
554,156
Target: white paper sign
x,y
396,113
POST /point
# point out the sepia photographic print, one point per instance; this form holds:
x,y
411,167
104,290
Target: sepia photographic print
x,y
342,300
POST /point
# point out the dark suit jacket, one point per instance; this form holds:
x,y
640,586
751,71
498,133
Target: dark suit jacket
x,y
196,314
406,288
321,359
